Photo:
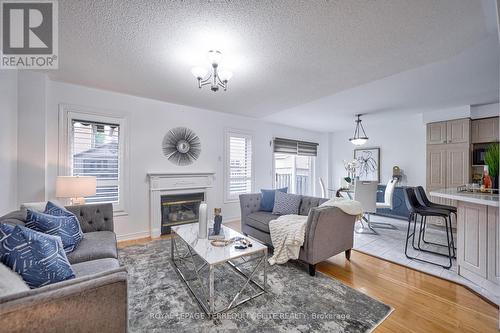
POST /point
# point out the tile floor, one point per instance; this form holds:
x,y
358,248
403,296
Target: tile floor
x,y
389,244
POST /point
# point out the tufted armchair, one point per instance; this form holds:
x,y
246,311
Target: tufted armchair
x,y
83,304
94,217
96,221
329,231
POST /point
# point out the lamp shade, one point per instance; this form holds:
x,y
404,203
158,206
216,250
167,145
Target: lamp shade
x,y
199,72
75,186
225,75
214,57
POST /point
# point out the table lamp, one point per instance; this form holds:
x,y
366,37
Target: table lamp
x,y
75,188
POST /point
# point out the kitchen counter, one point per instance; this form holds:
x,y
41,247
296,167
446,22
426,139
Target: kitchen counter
x,y
475,198
478,238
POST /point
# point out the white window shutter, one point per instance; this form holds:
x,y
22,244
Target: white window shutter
x,y
95,151
239,177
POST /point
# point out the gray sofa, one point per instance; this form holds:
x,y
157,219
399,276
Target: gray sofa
x,y
95,301
329,231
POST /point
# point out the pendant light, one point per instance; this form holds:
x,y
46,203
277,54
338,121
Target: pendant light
x,y
359,138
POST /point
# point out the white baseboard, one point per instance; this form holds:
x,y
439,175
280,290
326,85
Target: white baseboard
x,y
230,219
133,235
144,234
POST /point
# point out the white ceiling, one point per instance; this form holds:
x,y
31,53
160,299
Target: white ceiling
x,y
283,53
469,78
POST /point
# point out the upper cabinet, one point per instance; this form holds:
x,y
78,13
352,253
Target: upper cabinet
x,y
484,130
436,133
452,131
458,131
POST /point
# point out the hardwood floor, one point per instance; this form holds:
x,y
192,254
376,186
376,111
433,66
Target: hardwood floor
x,y
421,302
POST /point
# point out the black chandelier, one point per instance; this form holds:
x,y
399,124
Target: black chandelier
x,y
359,139
217,78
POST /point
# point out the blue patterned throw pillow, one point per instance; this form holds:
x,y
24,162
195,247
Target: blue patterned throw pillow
x,y
53,209
5,231
286,203
39,258
267,200
66,227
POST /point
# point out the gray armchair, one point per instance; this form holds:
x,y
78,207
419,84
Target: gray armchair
x,y
95,301
91,303
329,231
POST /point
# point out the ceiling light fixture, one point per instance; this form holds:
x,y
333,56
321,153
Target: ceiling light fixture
x,y
217,78
357,139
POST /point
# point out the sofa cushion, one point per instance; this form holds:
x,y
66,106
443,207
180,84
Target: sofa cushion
x,y
95,245
267,200
286,203
38,206
14,218
39,258
66,227
309,202
260,220
10,282
95,266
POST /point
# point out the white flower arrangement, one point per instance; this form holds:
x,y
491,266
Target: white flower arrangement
x,y
350,167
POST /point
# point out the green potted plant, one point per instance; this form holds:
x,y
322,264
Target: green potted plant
x,y
491,159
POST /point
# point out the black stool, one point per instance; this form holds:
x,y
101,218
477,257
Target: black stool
x,y
424,201
416,209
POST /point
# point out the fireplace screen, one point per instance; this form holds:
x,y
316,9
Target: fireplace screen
x,y
179,209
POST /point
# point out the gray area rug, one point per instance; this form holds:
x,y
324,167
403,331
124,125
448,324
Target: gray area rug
x,y
295,302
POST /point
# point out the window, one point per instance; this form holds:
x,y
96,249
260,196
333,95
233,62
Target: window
x,y
294,165
95,151
239,173
294,172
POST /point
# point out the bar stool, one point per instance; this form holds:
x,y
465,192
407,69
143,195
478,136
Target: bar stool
x,y
424,201
416,209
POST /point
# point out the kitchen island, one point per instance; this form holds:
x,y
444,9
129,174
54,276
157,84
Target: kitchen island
x,y
478,237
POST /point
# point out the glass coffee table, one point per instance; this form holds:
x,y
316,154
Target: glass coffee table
x,y
205,267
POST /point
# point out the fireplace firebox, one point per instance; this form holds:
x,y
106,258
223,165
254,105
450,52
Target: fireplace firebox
x,y
179,209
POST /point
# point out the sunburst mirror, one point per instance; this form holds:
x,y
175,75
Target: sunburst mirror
x,y
181,146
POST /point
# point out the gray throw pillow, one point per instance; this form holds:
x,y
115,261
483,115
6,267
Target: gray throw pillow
x,y
286,203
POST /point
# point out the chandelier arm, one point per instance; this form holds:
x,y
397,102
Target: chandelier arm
x,y
206,81
221,83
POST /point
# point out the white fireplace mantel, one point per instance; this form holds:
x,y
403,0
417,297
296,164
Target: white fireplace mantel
x,y
165,183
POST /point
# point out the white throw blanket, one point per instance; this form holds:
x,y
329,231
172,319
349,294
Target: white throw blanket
x,y
348,206
288,231
287,235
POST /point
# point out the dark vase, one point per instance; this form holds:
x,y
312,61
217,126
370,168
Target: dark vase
x,y
494,180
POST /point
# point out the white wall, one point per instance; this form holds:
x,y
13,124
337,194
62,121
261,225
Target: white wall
x,y
8,141
31,136
148,121
485,111
464,111
457,112
401,139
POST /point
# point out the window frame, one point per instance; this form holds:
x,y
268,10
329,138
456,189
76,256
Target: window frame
x,y
227,135
68,113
